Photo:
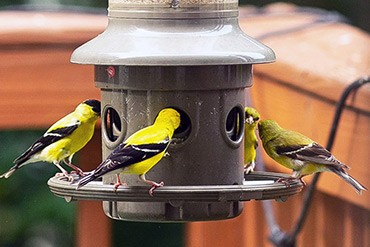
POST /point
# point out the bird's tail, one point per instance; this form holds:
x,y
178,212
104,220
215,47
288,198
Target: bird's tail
x,y
87,179
346,177
12,170
19,162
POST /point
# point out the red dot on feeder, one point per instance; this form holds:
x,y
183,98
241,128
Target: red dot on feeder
x,y
111,71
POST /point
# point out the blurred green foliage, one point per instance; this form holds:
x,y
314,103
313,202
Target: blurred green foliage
x,y
134,234
30,215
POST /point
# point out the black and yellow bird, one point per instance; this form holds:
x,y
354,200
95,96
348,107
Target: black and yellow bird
x,y
140,152
62,140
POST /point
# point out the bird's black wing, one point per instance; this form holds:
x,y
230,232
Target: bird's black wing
x,y
124,156
45,140
310,153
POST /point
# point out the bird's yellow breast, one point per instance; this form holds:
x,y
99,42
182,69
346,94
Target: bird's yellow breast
x,y
69,145
305,168
287,162
249,149
143,166
311,168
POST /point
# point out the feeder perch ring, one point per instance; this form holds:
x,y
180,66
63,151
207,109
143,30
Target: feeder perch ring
x,y
257,186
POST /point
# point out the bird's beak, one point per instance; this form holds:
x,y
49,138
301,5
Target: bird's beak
x,y
249,120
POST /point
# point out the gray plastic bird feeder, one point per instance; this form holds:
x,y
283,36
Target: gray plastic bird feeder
x,y
190,55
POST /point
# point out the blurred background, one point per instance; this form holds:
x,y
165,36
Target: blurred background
x,y
30,215
357,11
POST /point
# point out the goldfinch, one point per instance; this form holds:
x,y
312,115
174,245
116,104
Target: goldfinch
x,y
298,152
62,140
140,152
250,139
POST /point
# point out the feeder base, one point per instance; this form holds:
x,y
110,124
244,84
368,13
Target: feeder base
x,y
178,203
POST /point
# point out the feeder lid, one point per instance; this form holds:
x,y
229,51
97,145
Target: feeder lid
x,y
183,33
257,186
172,45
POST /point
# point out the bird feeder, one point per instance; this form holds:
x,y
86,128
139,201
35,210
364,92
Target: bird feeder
x,y
190,55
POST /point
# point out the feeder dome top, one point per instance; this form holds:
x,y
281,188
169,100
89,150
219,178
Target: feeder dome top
x,y
173,33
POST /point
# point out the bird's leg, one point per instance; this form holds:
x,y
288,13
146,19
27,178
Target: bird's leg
x,y
285,181
75,168
152,183
249,167
166,154
116,185
64,172
296,175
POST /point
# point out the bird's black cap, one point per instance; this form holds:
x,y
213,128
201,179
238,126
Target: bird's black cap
x,y
95,104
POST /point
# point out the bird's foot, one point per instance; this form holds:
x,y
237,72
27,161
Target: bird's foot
x,y
285,181
76,169
154,186
59,174
79,173
152,183
116,185
248,168
303,182
65,174
166,154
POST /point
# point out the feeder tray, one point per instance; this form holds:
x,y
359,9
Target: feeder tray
x,y
257,186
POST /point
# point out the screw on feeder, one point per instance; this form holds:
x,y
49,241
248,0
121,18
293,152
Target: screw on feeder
x,y
175,4
111,71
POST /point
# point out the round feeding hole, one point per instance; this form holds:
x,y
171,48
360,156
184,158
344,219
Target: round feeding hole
x,y
235,124
112,124
184,130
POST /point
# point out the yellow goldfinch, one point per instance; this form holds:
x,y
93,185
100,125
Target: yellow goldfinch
x,y
63,139
140,152
300,153
250,139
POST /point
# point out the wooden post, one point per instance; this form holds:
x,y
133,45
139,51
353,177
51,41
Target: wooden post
x,y
93,226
